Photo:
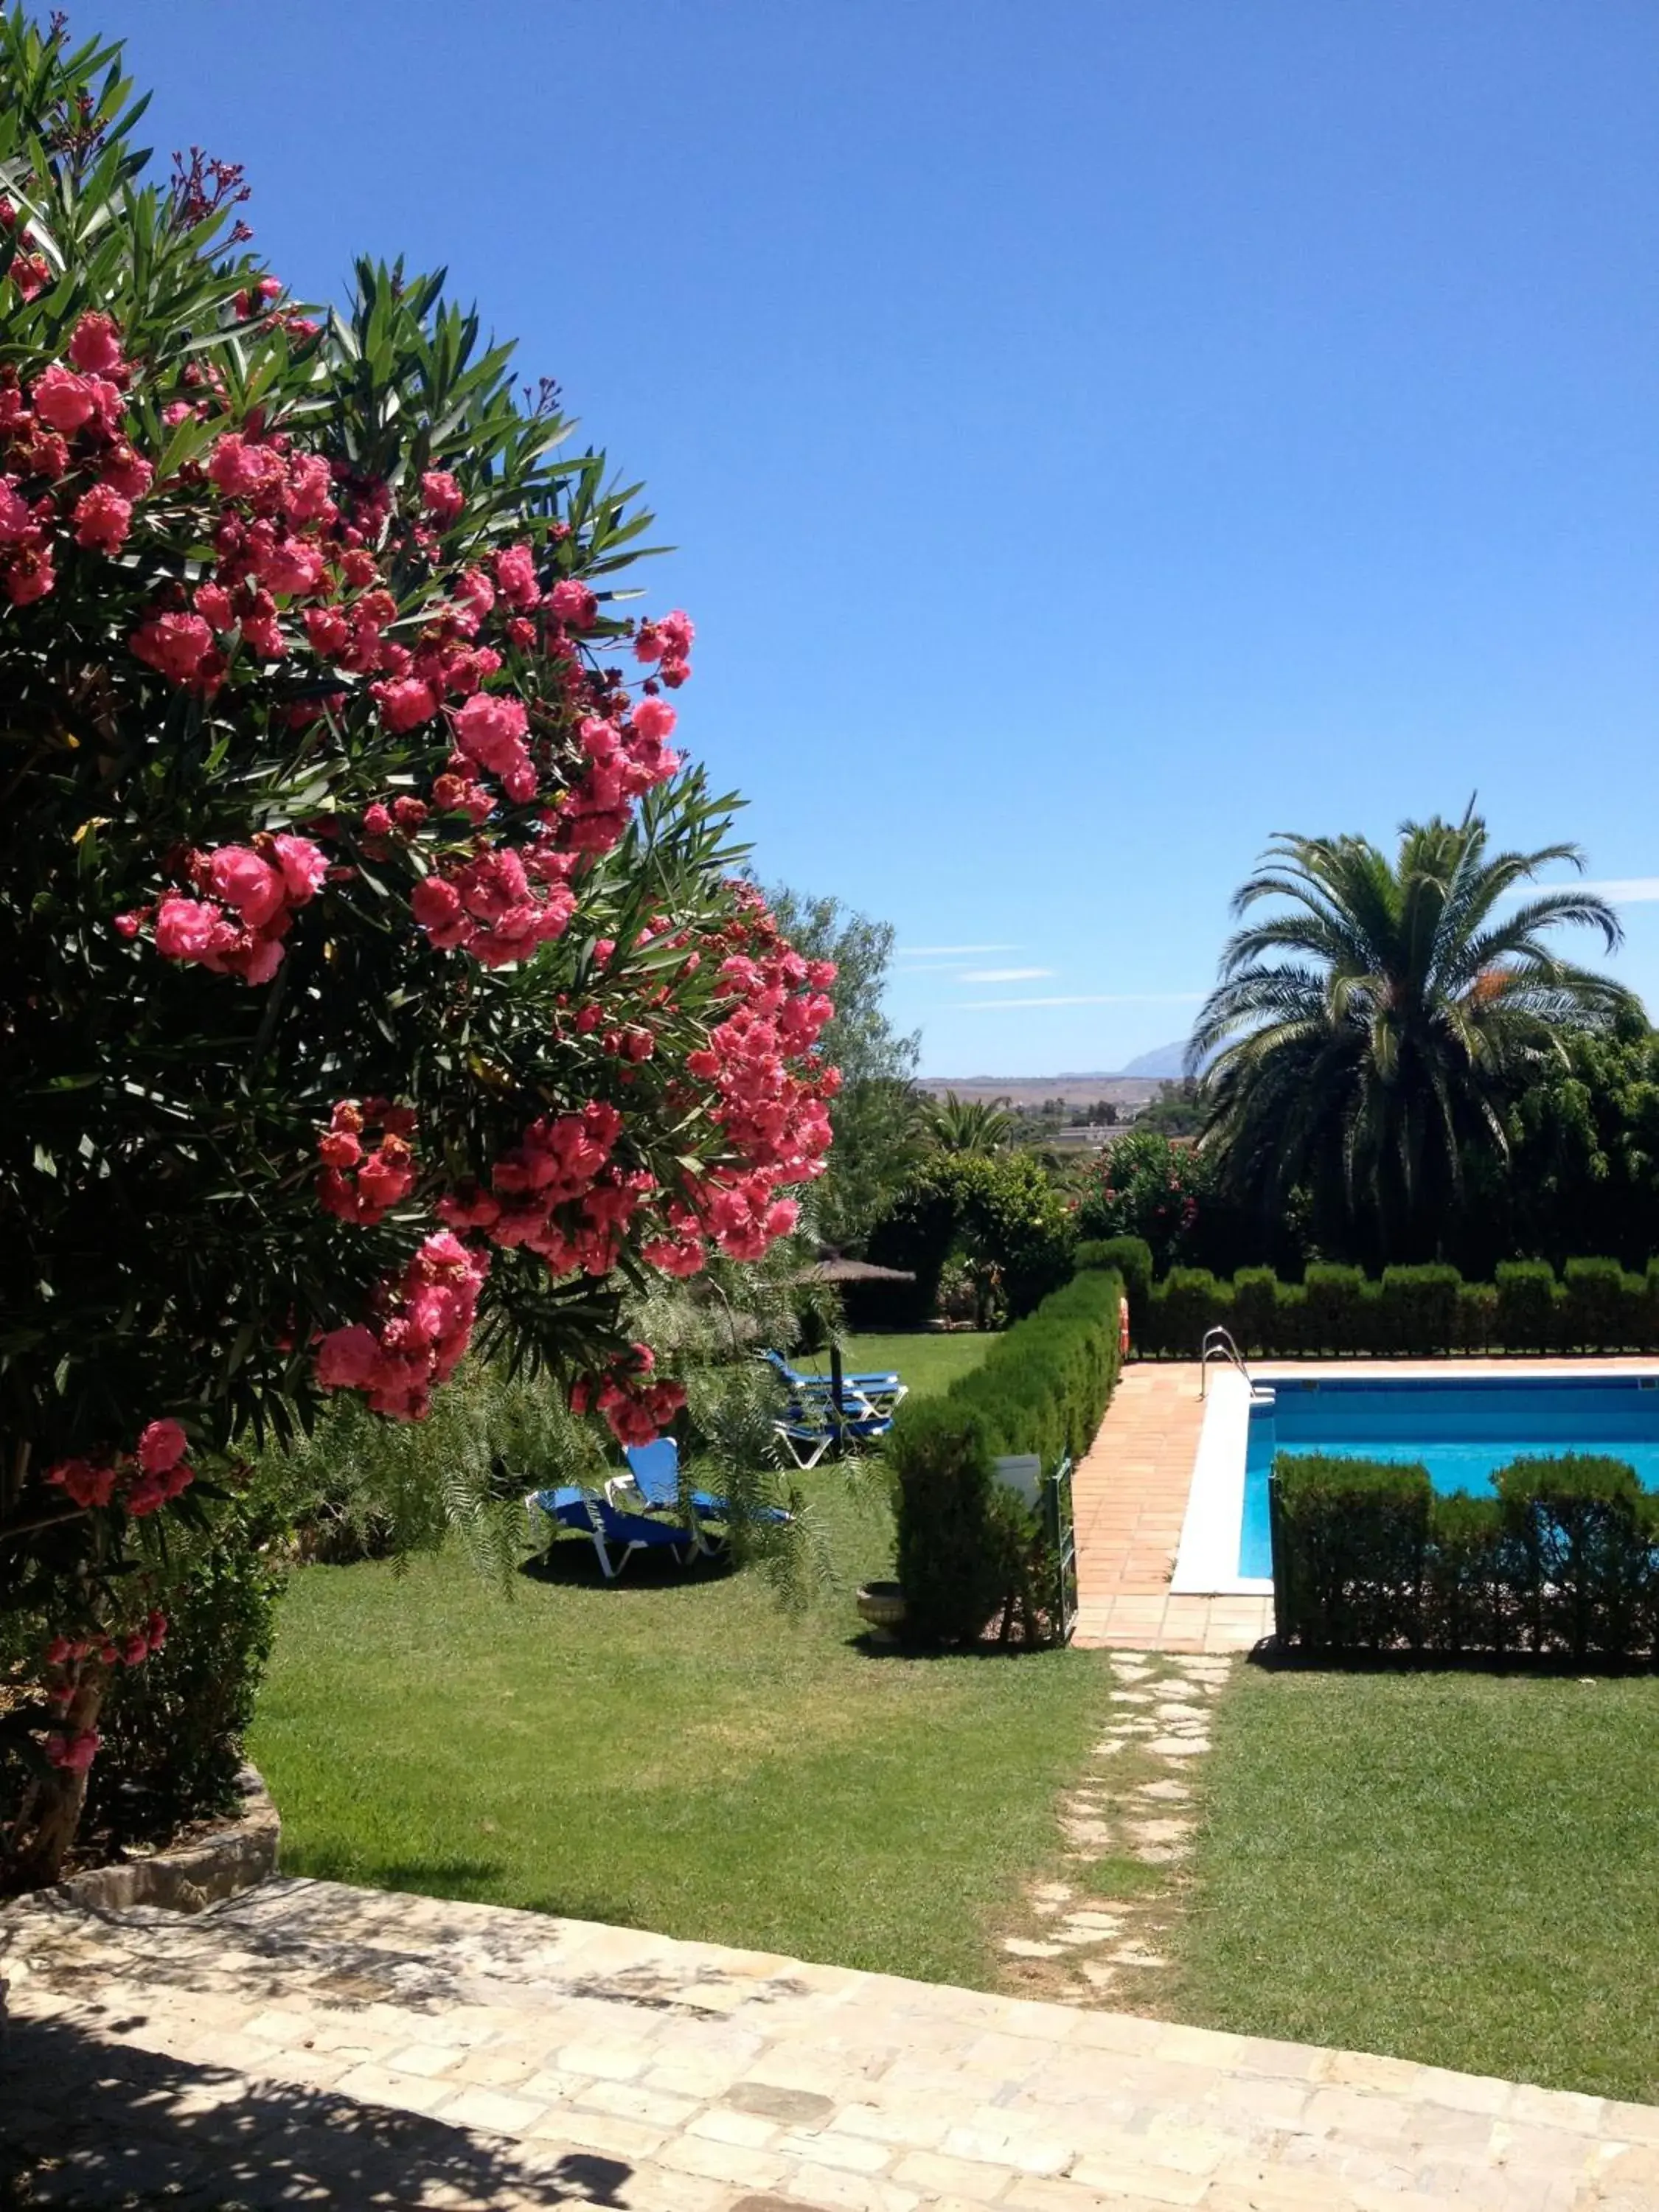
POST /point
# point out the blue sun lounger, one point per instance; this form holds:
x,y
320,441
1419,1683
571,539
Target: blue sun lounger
x,y
878,1392
653,1475
594,1516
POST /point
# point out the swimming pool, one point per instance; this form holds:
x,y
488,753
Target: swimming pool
x,y
1461,1428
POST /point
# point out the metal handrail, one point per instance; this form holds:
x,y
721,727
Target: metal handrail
x,y
1219,1344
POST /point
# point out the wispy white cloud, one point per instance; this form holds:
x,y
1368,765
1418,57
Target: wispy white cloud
x,y
1085,999
948,951
1632,889
1003,975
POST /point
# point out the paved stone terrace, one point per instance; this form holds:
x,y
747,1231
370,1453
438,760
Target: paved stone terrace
x,y
1130,1493
307,2043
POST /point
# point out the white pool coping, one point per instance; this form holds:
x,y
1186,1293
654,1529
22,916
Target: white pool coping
x,y
1206,1563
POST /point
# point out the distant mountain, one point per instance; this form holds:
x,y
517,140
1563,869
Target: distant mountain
x,y
1167,1061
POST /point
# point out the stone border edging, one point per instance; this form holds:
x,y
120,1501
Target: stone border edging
x,y
190,1875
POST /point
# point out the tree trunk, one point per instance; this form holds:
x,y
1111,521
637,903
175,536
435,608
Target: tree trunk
x,y
55,1814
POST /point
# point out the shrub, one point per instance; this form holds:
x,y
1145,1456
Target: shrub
x,y
1525,1316
963,1550
1474,1323
953,1562
1144,1186
172,1727
1333,1307
1563,1559
1348,1546
1585,1531
318,706
1596,1311
1417,1309
1256,1316
1133,1258
1189,1301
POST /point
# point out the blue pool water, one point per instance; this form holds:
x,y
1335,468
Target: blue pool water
x,y
1462,1431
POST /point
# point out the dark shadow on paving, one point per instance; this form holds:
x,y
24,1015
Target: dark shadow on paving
x,y
86,2123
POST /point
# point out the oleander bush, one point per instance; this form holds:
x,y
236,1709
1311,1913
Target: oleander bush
x,y
1563,1559
967,1546
1412,1312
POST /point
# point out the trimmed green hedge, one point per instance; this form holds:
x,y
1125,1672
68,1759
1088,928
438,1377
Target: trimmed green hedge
x,y
1417,1312
1565,1558
966,1545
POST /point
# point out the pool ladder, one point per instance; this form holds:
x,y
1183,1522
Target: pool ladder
x,y
1219,1344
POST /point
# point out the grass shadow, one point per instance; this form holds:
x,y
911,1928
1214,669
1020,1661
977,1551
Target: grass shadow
x,y
573,1563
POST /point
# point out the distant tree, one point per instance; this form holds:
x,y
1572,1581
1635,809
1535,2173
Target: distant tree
x,y
875,1115
1367,1036
999,1213
1144,1186
967,1125
1177,1110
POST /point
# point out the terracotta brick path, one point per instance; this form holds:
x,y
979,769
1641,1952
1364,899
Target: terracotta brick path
x,y
1130,1490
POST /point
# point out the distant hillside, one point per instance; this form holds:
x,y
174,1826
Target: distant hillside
x,y
1032,1090
1167,1060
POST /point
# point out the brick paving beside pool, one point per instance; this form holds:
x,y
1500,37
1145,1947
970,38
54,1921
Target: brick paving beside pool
x,y
1130,1493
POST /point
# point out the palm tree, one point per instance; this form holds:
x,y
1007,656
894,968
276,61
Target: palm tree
x,y
1364,1039
966,1125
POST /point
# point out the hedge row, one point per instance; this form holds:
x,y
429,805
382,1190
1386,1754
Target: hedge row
x,y
966,1546
1564,1558
1416,1311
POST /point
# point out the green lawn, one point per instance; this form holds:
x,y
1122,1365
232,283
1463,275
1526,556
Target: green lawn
x,y
671,1752
926,1361
1459,1869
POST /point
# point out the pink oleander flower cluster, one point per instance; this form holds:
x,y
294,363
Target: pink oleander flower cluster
x,y
636,1406
138,1482
361,1180
527,761
248,896
419,1336
65,1659
66,433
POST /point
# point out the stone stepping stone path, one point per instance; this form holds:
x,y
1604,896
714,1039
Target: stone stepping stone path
x,y
1076,1942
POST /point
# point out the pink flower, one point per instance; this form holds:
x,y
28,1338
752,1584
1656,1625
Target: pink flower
x,y
441,496
16,518
176,645
292,566
63,399
515,572
574,603
405,704
243,880
327,631
126,472
490,729
74,1752
304,867
185,928
654,719
88,1485
339,1148
95,345
161,1446
241,469
102,519
29,576
214,605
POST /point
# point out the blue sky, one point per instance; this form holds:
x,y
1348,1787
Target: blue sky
x,y
1097,433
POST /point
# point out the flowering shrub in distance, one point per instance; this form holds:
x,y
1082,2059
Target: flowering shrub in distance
x,y
374,980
